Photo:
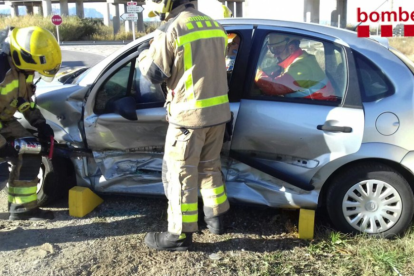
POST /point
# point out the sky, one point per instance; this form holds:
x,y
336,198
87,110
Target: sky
x,y
291,10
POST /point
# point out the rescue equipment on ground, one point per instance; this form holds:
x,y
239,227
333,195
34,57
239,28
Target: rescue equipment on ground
x,y
82,201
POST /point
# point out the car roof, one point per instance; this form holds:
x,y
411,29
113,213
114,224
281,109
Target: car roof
x,y
348,37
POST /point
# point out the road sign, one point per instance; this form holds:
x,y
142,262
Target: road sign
x,y
129,16
134,8
56,20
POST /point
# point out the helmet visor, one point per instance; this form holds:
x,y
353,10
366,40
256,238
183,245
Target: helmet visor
x,y
46,78
51,72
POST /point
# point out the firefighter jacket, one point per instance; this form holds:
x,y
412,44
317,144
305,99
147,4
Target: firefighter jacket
x,y
299,76
188,53
16,90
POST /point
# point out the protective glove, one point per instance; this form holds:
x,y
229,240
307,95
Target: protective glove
x,y
44,131
8,151
143,46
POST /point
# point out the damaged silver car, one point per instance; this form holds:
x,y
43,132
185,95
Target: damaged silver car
x,y
353,154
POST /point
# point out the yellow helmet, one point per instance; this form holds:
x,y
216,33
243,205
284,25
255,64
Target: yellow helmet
x,y
226,11
162,7
35,49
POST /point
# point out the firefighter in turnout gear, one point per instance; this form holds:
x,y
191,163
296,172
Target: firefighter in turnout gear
x,y
188,53
24,51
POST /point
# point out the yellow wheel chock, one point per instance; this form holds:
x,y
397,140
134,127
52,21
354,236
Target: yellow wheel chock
x,y
82,201
306,224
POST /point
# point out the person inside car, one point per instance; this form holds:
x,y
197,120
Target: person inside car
x,y
232,49
298,74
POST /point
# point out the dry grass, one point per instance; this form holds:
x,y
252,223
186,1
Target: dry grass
x,y
404,44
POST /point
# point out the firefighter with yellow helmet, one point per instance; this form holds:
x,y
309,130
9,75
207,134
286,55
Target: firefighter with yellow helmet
x,y
188,53
24,52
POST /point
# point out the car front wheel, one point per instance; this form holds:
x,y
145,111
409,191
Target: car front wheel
x,y
56,177
371,198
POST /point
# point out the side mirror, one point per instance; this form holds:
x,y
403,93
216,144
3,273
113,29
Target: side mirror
x,y
124,106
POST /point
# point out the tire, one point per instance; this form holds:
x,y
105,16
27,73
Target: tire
x,y
56,177
371,198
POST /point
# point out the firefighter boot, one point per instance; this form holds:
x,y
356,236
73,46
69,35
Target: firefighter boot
x,y
215,224
35,214
169,242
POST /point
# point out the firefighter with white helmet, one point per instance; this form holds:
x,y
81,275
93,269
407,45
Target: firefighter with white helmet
x,y
24,52
188,53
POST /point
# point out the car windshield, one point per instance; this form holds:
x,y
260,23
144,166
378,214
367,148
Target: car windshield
x,y
404,59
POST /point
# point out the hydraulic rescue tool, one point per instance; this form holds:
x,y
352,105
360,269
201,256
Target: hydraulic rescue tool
x,y
31,145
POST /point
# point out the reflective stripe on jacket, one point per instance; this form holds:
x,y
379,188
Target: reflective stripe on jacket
x,y
188,52
14,85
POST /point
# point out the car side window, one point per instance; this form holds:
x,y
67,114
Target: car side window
x,y
113,88
144,91
292,67
373,83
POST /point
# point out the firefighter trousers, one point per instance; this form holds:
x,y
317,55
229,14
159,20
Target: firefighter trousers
x,y
22,178
192,159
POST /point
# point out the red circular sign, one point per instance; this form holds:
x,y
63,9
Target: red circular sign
x,y
57,19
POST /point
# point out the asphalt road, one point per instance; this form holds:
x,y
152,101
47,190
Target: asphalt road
x,y
72,59
82,56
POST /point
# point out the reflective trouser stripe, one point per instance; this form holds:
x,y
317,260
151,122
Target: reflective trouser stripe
x,y
22,190
190,212
189,207
22,199
214,201
214,197
190,218
212,191
9,87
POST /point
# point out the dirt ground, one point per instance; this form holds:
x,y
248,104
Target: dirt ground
x,y
109,241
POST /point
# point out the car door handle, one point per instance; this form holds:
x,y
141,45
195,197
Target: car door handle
x,y
344,129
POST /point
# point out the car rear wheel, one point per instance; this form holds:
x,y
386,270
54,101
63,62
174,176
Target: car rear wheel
x,y
371,198
56,177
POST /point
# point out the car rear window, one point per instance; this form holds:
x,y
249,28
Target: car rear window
x,y
404,59
373,83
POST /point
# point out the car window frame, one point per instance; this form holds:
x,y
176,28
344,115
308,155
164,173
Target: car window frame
x,y
128,86
90,97
365,98
258,45
236,88
351,98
